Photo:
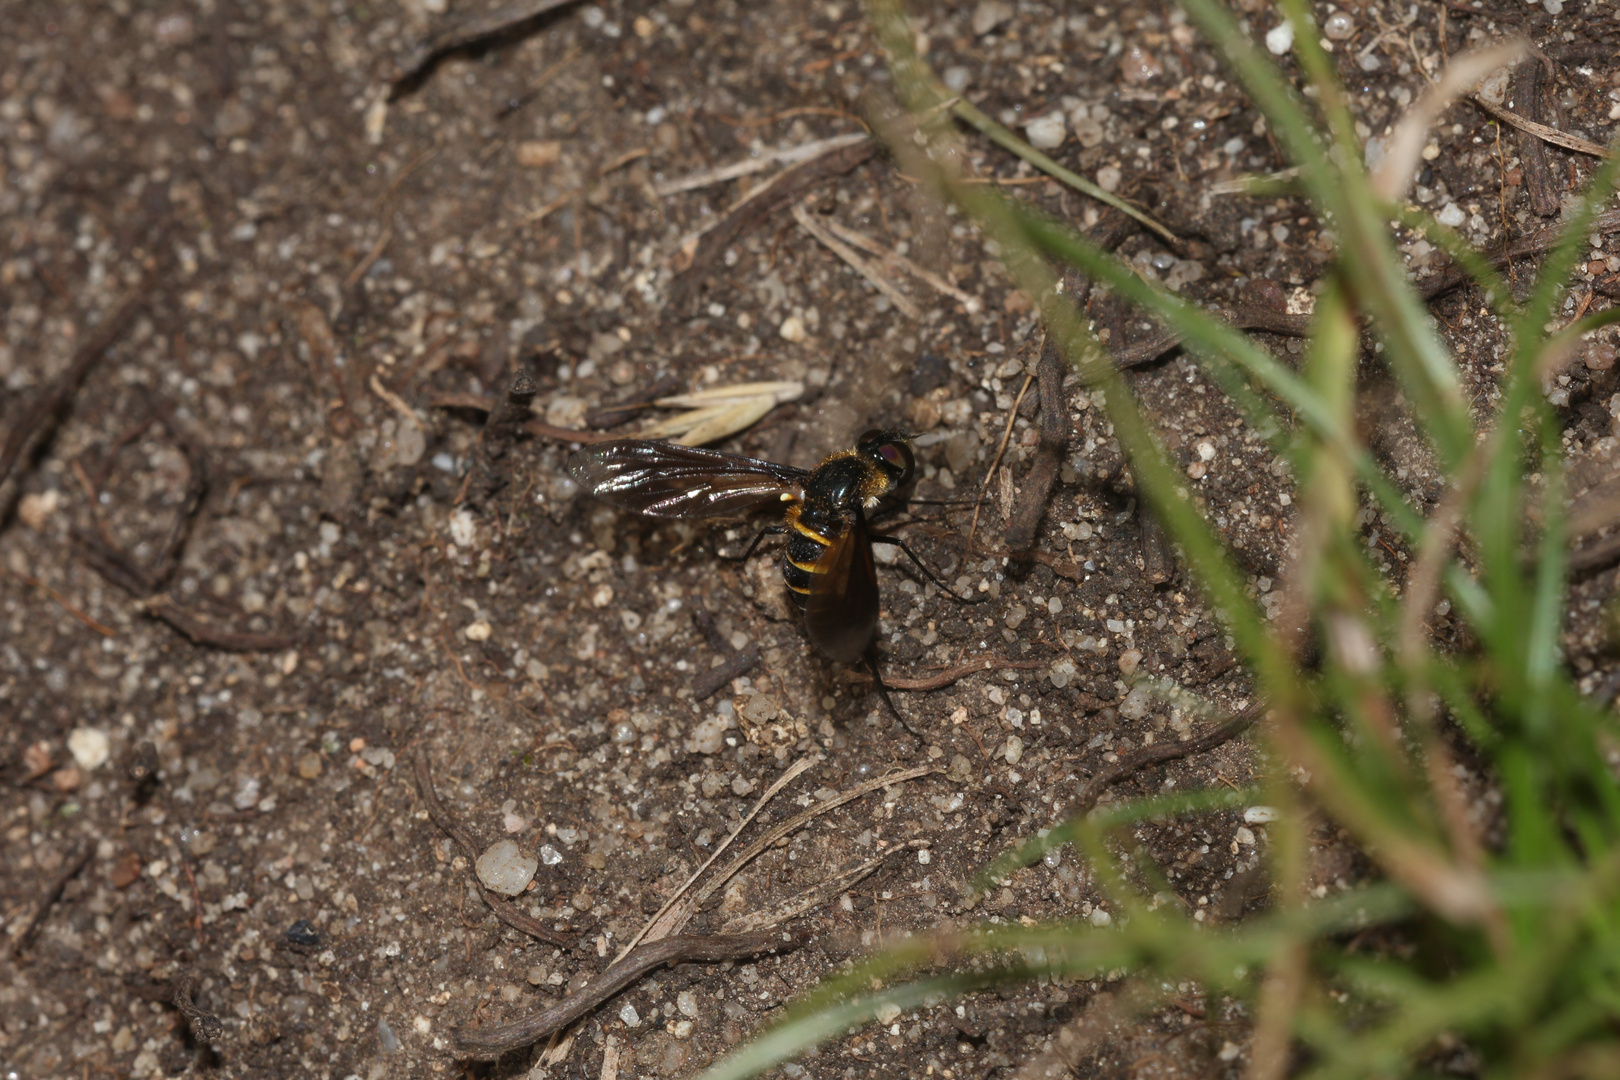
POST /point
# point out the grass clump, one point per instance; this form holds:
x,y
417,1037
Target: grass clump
x,y
1510,943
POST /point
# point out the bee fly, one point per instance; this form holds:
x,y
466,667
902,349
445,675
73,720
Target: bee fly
x,y
828,561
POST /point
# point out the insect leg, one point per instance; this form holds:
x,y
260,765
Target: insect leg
x,y
769,530
929,574
883,692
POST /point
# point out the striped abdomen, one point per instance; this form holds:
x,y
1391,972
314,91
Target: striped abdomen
x,y
808,539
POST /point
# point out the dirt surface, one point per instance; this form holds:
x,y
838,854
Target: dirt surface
x,y
272,553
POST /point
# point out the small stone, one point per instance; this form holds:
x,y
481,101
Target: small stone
x,y
888,1013
1046,132
549,855
792,329
126,871
956,78
1129,661
989,15
36,508
1260,815
37,761
1280,38
505,869
630,1017
1244,835
310,765
686,1002
463,528
1109,178
1099,917
1013,751
1062,673
67,779
302,935
90,747
709,737
537,154
1451,215
478,630
537,975
1138,65
246,796
1136,703
386,1039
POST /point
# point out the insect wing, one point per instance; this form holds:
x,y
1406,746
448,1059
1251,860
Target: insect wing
x,y
842,612
666,480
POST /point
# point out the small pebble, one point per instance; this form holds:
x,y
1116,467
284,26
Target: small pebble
x,y
1280,38
1046,132
302,935
1099,917
505,869
1136,703
989,15
90,747
386,1037
36,508
478,630
1338,26
956,78
1451,215
709,737
126,871
538,975
1109,177
1129,661
888,1013
1259,815
792,329
686,1002
630,1017
1013,751
246,796
538,154
310,765
1138,65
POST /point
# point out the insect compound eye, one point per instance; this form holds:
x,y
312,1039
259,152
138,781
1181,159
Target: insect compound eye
x,y
898,456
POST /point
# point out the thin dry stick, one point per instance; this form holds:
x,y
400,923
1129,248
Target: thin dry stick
x,y
41,416
491,1042
951,675
798,821
814,897
895,259
47,901
678,916
1542,131
794,771
787,155
503,910
103,630
856,262
984,485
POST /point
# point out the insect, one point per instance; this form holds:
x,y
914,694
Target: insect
x,y
827,564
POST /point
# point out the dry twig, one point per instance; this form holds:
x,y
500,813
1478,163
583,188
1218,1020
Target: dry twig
x,y
491,1042
503,909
